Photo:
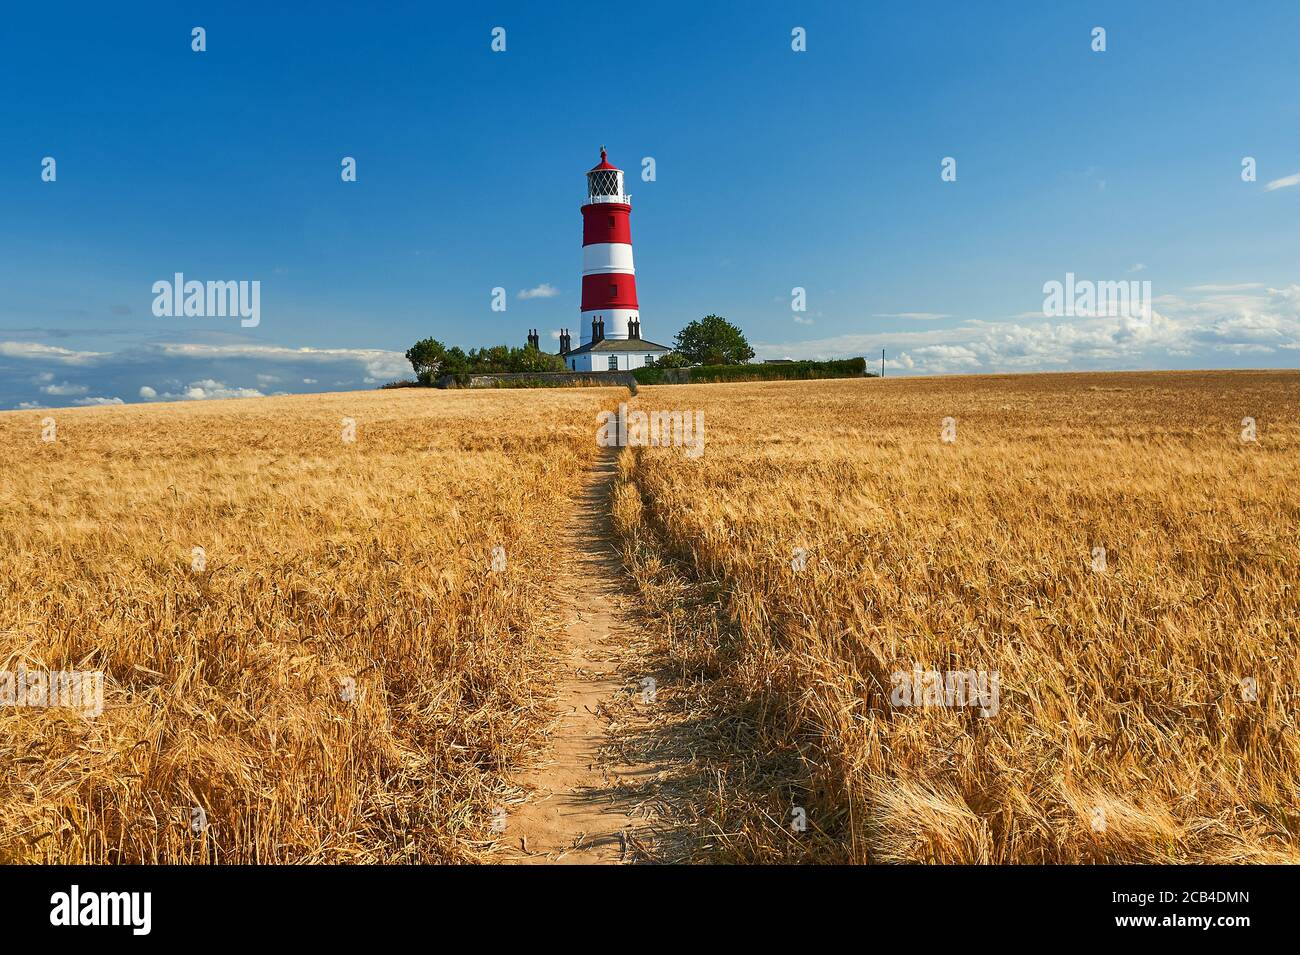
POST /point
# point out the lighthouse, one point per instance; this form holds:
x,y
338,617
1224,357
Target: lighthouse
x,y
609,332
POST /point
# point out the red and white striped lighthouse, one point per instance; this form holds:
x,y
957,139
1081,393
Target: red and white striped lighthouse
x,y
608,278
610,333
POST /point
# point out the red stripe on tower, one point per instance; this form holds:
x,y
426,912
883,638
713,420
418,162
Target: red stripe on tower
x,y
608,290
608,276
606,223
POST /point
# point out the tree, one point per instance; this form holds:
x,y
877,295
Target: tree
x,y
483,361
456,363
712,340
529,358
427,357
672,360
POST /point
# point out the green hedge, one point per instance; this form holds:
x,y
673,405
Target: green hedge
x,y
524,379
796,370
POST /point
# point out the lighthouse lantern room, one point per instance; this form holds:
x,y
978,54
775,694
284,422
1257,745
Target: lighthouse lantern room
x,y
610,331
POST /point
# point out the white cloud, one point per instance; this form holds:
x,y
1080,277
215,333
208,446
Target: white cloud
x,y
1138,267
215,389
37,351
208,389
915,316
220,368
378,363
99,401
204,389
64,389
545,290
952,357
1284,182
1239,287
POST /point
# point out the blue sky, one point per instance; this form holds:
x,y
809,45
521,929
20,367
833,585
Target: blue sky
x,y
774,169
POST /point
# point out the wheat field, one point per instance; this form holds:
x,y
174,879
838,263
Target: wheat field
x,y
338,677
1147,707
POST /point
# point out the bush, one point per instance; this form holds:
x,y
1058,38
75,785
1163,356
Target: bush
x,y
672,360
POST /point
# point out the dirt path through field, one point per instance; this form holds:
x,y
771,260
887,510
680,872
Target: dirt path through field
x,y
586,808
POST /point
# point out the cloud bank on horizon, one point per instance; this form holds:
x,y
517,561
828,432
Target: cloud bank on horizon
x,y
36,374
1243,324
1212,326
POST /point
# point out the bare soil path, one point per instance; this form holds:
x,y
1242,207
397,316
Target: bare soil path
x,y
585,806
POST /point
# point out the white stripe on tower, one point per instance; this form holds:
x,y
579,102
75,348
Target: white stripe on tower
x,y
607,257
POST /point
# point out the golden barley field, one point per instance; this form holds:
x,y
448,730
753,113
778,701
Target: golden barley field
x,y
1148,702
338,676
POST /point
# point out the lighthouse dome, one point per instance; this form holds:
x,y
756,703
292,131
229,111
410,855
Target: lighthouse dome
x,y
605,182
